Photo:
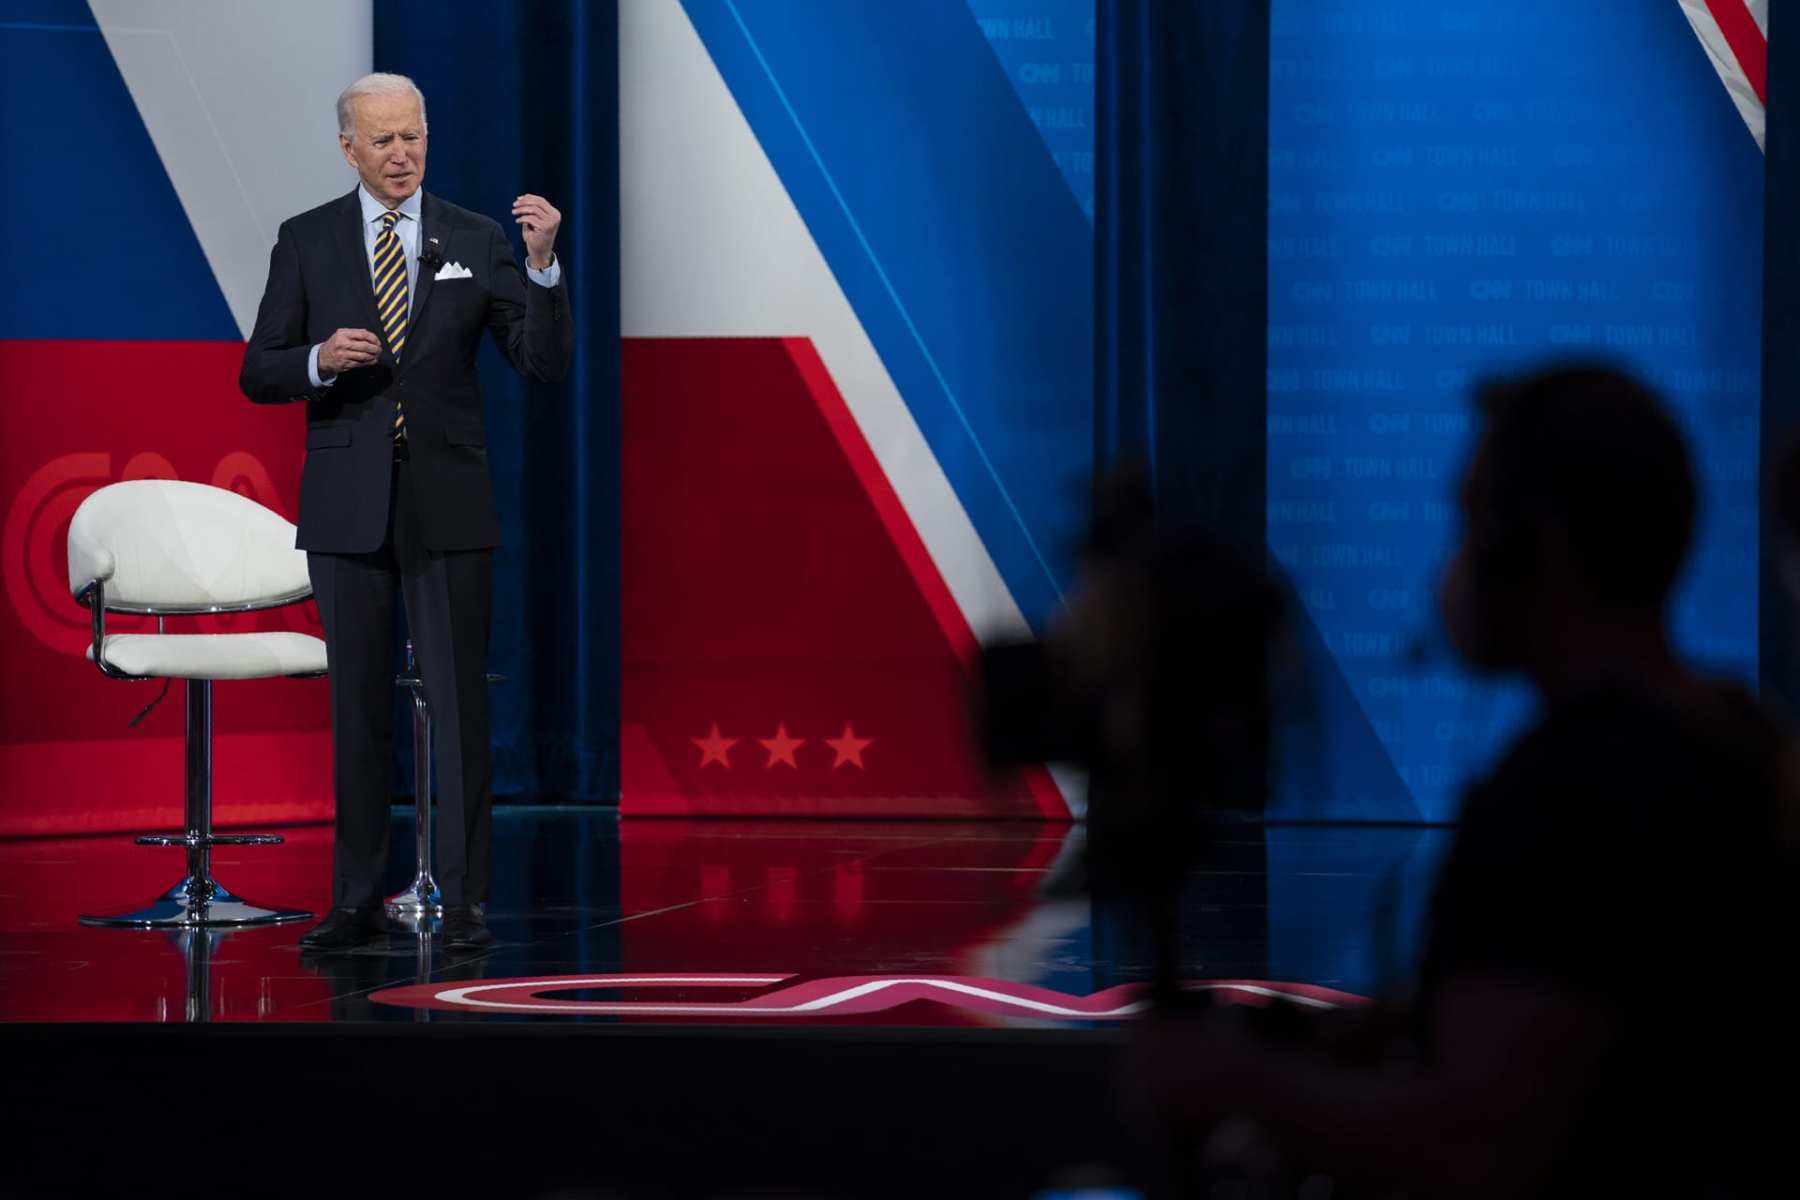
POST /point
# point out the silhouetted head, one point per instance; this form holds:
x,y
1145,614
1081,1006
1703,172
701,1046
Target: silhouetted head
x,y
1578,506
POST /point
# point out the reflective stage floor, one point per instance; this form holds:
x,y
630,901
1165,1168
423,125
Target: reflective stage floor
x,y
673,1011
740,923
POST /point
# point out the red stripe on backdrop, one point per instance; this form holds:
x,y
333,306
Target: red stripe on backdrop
x,y
1747,43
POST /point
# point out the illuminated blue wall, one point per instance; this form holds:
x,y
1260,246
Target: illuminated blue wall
x,y
1457,187
1047,49
927,147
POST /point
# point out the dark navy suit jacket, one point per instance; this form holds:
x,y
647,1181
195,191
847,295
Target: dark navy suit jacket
x,y
319,282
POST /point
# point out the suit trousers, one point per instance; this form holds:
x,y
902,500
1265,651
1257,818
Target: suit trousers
x,y
448,597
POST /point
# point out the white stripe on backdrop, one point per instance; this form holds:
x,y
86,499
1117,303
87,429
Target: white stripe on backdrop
x,y
238,100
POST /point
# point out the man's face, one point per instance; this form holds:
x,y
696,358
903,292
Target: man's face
x,y
388,150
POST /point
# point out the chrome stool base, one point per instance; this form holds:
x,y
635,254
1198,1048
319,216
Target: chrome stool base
x,y
421,898
198,904
198,901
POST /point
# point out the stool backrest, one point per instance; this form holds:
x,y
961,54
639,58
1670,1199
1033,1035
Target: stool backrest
x,y
165,545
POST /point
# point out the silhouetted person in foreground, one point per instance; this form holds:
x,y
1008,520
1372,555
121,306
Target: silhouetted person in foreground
x,y
1155,679
1593,1013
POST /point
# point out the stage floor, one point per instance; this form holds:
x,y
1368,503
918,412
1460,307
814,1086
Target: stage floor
x,y
716,923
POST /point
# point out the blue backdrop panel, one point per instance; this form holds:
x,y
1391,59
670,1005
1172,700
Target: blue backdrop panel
x,y
1464,186
524,97
99,247
954,236
1046,48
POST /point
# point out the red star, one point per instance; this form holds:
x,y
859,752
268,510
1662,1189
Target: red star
x,y
849,748
781,747
715,749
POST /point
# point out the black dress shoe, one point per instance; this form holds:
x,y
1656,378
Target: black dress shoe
x,y
465,928
347,929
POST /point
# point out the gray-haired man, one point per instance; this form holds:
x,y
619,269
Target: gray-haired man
x,y
374,308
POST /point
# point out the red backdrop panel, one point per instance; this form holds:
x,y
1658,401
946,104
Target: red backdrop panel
x,y
79,415
788,646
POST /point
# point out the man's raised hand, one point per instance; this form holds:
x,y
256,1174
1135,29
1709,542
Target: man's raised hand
x,y
539,219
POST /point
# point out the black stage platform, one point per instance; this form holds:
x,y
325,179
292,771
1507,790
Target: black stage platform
x,y
673,1009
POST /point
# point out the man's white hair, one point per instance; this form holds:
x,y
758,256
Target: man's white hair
x,y
381,83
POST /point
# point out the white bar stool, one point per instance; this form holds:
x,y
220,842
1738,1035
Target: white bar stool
x,y
167,548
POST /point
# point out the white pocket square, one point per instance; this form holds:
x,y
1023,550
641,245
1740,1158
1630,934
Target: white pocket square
x,y
454,271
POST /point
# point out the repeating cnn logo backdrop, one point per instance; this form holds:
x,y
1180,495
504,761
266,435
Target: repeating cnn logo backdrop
x,y
77,416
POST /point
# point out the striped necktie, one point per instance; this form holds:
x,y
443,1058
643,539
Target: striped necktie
x,y
391,301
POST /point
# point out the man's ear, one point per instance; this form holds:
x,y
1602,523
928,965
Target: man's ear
x,y
344,145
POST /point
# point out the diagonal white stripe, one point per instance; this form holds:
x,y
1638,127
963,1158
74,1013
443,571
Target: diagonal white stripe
x,y
712,246
237,99
906,318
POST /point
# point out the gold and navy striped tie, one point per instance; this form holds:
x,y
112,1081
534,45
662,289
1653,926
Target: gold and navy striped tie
x,y
391,301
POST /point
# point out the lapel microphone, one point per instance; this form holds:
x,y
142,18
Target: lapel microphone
x,y
431,254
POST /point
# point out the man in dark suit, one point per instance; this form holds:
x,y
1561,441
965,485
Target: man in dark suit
x,y
374,310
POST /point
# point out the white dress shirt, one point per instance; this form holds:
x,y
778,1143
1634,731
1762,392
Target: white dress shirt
x,y
407,230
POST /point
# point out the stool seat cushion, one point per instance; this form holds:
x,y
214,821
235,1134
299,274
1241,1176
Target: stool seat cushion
x,y
214,655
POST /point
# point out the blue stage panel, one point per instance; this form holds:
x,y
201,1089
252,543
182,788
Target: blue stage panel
x,y
1463,187
935,199
97,245
1047,49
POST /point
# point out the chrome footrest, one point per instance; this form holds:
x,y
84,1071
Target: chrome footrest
x,y
199,904
195,840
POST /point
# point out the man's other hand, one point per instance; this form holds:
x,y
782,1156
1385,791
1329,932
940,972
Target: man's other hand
x,y
346,350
